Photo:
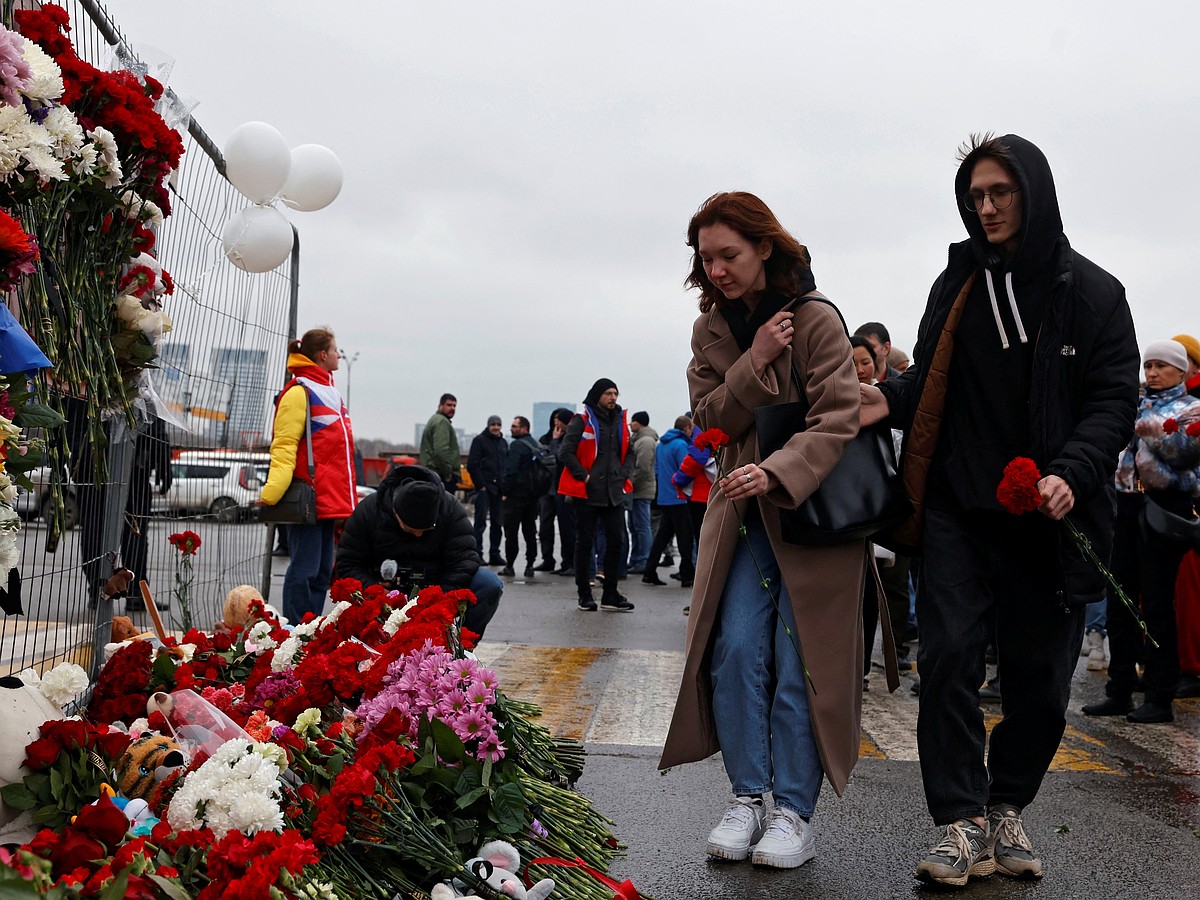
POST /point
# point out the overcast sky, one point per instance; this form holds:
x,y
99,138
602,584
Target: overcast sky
x,y
519,175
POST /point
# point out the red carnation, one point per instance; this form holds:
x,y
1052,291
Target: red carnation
x,y
1170,426
711,439
186,542
1018,491
1193,430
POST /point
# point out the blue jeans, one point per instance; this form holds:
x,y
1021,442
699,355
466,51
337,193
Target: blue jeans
x,y
639,531
760,700
307,580
487,588
1096,617
488,504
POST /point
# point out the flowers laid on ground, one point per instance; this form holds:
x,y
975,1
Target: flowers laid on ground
x,y
359,754
1018,494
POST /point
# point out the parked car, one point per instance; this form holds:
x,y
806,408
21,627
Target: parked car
x,y
35,504
223,484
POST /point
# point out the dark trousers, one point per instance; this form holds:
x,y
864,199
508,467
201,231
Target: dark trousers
x,y
567,519
488,505
612,520
677,521
981,572
547,504
1147,565
520,513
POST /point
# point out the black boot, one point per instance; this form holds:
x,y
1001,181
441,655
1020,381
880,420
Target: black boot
x,y
1109,706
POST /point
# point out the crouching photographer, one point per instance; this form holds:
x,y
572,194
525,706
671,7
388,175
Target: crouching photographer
x,y
413,531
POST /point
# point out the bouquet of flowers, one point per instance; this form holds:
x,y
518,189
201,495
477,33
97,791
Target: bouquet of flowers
x,y
358,754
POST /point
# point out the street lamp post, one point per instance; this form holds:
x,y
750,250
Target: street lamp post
x,y
349,361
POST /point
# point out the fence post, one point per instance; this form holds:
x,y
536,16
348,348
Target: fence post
x,y
112,520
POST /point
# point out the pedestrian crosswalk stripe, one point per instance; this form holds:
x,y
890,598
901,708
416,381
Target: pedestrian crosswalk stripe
x,y
627,696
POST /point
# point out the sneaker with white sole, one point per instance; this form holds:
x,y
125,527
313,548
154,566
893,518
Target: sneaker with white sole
x,y
741,827
965,852
1097,658
1011,847
786,843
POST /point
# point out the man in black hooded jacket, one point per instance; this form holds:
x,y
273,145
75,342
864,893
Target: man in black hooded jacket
x,y
597,466
1026,349
413,523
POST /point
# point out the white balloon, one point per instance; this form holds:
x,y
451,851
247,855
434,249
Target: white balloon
x,y
257,161
315,179
258,238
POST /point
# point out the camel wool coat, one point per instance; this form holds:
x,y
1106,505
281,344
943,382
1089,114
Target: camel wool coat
x,y
825,584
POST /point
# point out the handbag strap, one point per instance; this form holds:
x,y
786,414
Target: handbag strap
x,y
312,466
800,301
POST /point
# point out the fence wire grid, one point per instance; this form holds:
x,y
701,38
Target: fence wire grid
x,y
197,467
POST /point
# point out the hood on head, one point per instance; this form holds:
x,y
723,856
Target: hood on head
x,y
673,434
1041,224
593,396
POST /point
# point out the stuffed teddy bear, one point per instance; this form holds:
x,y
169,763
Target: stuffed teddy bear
x,y
497,864
148,761
23,709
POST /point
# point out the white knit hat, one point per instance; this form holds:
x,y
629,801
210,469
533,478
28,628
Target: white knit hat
x,y
1172,353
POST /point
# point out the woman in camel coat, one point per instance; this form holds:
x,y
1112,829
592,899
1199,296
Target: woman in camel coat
x,y
744,691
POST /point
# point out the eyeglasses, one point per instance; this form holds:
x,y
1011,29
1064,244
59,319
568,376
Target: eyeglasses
x,y
1002,198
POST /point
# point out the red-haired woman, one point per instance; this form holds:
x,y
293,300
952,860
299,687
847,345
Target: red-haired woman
x,y
311,395
744,690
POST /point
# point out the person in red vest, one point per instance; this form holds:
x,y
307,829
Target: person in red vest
x,y
596,473
310,394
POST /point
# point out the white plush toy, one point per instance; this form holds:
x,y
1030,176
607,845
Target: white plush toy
x,y
23,709
497,864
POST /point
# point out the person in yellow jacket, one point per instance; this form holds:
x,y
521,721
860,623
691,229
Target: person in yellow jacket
x,y
311,394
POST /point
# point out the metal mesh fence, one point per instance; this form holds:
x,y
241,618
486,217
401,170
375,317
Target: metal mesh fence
x,y
197,467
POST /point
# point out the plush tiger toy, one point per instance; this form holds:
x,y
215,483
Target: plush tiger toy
x,y
148,761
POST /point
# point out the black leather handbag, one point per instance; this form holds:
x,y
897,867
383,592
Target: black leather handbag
x,y
298,505
863,495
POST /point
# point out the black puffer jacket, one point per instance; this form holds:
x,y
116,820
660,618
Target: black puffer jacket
x,y
485,462
444,555
1084,382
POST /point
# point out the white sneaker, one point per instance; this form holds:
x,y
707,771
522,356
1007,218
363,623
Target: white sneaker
x,y
1097,658
787,843
740,827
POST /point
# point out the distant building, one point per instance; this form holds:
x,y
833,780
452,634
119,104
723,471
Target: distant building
x,y
541,415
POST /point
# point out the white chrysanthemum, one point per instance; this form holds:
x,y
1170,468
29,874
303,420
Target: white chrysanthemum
x,y
306,720
318,890
260,636
41,160
237,788
66,134
47,81
64,683
17,135
189,650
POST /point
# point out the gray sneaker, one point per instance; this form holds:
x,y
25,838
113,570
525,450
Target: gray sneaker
x,y
964,852
1010,844
741,827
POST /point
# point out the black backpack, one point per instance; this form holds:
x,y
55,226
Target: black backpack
x,y
543,468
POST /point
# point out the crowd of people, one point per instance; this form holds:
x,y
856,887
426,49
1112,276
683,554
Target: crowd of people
x,y
1026,352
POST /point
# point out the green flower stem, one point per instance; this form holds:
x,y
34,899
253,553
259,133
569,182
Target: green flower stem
x,y
1085,547
764,580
